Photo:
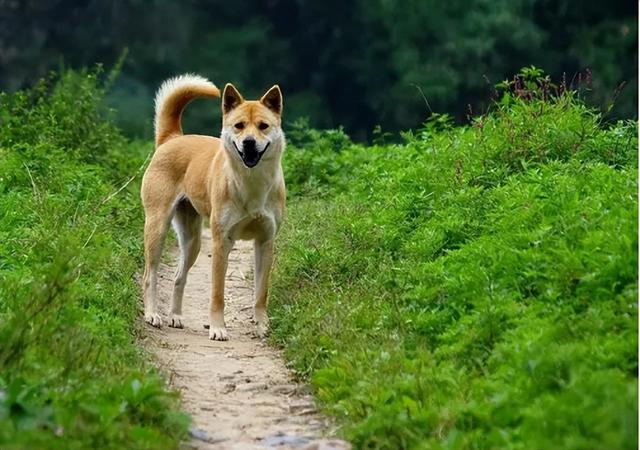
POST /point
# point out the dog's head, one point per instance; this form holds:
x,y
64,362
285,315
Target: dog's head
x,y
251,130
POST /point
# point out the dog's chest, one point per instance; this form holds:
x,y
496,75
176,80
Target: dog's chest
x,y
254,223
251,217
254,212
255,206
252,197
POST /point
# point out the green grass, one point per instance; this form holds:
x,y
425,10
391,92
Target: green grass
x,y
472,287
469,288
71,376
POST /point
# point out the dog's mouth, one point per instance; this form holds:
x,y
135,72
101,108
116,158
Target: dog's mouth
x,y
250,156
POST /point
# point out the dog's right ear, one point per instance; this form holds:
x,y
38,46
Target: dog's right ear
x,y
231,98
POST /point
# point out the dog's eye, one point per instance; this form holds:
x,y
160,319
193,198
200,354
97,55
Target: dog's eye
x,y
263,126
239,126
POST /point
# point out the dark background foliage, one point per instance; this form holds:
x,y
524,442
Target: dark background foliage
x,y
352,63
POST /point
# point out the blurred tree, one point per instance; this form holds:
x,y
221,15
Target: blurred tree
x,y
357,64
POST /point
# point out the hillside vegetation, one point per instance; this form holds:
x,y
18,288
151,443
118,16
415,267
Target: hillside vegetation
x,y
70,374
469,288
472,287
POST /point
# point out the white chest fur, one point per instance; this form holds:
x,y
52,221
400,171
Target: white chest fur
x,y
251,214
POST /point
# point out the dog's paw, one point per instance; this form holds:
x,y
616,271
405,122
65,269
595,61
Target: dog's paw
x,y
176,321
261,320
218,334
262,330
153,319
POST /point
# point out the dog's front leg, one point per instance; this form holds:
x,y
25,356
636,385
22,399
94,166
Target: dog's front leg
x,y
219,258
263,261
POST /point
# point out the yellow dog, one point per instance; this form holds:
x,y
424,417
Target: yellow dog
x,y
235,180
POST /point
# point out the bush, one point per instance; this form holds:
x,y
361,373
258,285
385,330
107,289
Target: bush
x,y
70,373
473,287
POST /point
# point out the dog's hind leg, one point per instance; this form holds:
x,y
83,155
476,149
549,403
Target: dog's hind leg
x,y
188,225
158,210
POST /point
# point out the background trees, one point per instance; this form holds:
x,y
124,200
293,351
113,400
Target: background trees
x,y
352,63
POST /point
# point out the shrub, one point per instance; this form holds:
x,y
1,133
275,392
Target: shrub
x,y
473,287
70,373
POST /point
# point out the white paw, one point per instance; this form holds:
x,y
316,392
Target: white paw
x,y
153,319
176,321
262,330
218,334
262,323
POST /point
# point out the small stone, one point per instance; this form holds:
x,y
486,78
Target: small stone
x,y
285,389
328,444
253,387
202,435
229,387
301,407
282,439
303,389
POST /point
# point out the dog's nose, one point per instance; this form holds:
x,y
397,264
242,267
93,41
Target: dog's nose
x,y
249,142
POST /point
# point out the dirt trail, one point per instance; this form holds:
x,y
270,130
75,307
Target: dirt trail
x,y
239,392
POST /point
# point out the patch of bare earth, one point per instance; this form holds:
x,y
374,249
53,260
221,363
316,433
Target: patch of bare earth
x,y
239,392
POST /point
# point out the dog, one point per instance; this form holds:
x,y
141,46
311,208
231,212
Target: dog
x,y
236,181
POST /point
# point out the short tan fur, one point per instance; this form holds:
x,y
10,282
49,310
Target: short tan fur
x,y
236,181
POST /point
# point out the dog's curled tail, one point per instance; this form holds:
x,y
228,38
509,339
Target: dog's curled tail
x,y
171,99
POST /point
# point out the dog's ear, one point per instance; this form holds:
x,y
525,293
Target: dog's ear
x,y
273,100
231,98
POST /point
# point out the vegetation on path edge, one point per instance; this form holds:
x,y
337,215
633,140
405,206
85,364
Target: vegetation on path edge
x,y
71,376
472,287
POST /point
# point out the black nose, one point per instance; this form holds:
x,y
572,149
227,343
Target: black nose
x,y
249,143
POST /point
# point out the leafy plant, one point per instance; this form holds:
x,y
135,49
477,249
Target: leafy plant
x,y
473,287
71,376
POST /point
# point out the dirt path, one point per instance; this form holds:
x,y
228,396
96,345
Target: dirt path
x,y
239,392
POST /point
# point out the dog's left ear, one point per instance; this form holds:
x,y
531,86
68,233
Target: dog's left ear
x,y
273,100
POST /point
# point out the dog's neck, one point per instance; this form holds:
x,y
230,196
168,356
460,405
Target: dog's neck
x,y
253,185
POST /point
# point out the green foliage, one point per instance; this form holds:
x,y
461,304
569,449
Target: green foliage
x,y
474,287
351,63
70,374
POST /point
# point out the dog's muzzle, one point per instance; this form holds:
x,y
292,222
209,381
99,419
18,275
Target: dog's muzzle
x,y
249,154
